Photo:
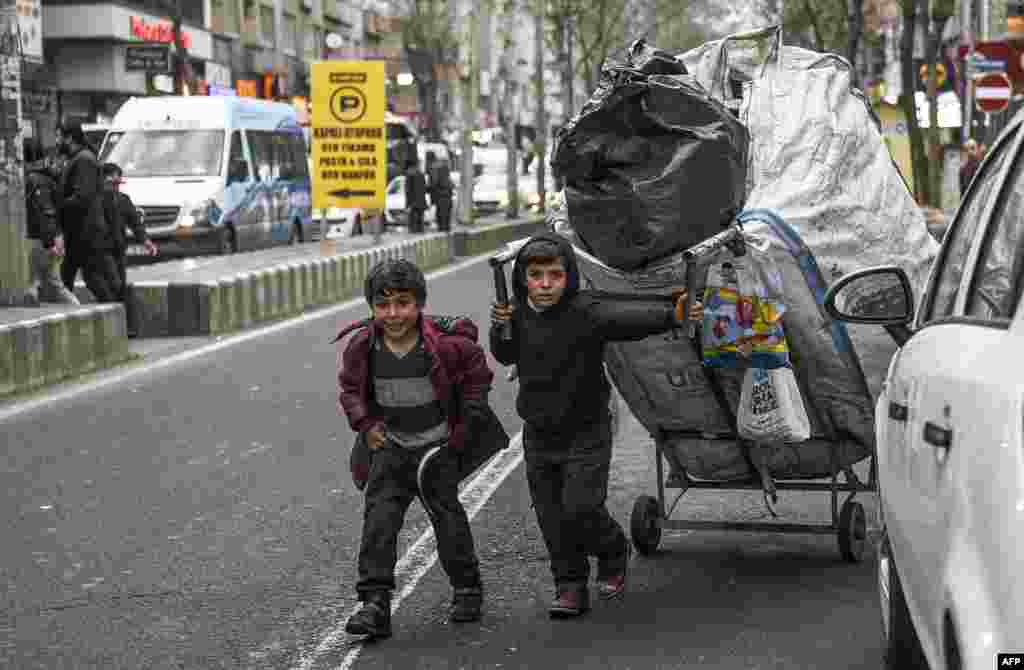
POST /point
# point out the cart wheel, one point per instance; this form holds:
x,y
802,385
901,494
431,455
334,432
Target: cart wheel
x,y
853,532
645,525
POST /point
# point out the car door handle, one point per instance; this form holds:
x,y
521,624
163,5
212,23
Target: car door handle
x,y
898,412
938,436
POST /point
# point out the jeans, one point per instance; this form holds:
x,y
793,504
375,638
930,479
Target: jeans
x,y
390,489
568,478
46,280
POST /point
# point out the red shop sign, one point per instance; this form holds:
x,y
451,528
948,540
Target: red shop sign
x,y
161,31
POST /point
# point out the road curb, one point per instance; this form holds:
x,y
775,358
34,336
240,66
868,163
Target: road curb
x,y
41,351
46,350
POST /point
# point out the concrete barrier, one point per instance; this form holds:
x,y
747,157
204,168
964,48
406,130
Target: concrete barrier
x,y
60,343
471,241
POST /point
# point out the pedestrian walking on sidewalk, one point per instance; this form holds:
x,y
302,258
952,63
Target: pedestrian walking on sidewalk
x,y
970,159
44,233
121,214
441,190
88,239
415,196
558,337
414,388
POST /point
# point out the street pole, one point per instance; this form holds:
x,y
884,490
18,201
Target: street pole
x,y
967,37
470,100
179,51
15,279
540,126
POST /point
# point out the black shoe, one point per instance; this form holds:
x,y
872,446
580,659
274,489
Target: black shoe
x,y
569,603
373,619
466,605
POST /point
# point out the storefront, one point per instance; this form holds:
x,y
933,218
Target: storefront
x,y
87,45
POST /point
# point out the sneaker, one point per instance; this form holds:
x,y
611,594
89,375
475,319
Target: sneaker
x,y
615,586
570,602
466,605
373,619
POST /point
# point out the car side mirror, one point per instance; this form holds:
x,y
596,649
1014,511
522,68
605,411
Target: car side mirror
x,y
880,295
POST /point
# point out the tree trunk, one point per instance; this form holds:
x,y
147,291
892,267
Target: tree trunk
x,y
540,129
919,159
936,159
855,29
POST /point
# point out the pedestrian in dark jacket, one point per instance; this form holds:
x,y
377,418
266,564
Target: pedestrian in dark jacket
x,y
121,214
410,390
89,242
44,233
557,343
415,196
441,190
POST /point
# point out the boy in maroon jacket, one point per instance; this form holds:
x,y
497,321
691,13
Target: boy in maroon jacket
x,y
409,388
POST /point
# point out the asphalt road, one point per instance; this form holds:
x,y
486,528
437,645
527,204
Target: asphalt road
x,y
199,514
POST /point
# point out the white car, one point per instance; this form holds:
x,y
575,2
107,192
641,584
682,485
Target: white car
x,y
341,223
949,424
395,213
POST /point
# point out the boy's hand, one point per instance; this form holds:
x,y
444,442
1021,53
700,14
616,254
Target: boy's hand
x,y
696,310
375,438
501,314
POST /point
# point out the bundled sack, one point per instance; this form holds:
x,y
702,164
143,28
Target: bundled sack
x,y
652,164
743,308
663,380
818,159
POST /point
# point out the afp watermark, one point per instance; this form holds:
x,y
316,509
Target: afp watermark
x,y
1010,661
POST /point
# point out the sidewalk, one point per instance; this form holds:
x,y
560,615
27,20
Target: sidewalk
x,y
214,295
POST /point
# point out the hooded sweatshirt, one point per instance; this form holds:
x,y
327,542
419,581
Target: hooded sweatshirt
x,y
560,351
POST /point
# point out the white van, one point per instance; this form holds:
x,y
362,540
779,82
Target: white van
x,y
213,173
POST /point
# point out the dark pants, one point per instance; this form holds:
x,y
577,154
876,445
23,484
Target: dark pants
x,y
444,214
415,220
568,478
99,271
389,491
127,294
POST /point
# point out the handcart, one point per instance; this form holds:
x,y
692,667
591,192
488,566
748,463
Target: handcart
x,y
651,516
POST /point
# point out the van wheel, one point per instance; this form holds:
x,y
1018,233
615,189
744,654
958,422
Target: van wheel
x,y
227,243
903,649
296,235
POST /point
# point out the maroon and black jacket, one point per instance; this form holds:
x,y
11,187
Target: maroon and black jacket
x,y
460,376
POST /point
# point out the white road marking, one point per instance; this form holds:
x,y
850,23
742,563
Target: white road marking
x,y
112,379
422,555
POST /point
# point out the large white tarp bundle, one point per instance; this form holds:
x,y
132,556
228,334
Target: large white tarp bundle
x,y
817,156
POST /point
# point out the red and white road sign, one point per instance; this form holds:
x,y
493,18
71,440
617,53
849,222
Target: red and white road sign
x,y
992,92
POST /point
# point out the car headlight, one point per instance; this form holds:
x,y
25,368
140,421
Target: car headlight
x,y
203,213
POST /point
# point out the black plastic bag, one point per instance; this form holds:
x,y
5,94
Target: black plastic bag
x,y
652,164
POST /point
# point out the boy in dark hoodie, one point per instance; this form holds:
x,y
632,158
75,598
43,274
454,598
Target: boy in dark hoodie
x,y
557,343
412,386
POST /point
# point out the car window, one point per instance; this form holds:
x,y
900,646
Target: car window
x,y
261,145
960,237
995,286
238,169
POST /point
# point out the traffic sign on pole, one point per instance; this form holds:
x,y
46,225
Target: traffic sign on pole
x,y
992,92
349,137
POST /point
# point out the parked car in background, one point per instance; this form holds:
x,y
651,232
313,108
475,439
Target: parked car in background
x,y
395,212
950,429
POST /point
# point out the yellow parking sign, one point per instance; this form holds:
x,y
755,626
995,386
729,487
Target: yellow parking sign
x,y
350,156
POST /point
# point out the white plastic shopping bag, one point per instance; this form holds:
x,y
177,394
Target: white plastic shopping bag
x,y
771,409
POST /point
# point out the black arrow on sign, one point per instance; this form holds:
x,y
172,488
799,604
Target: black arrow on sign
x,y
349,193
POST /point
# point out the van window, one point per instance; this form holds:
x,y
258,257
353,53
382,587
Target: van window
x,y
261,145
167,153
298,144
284,156
238,168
